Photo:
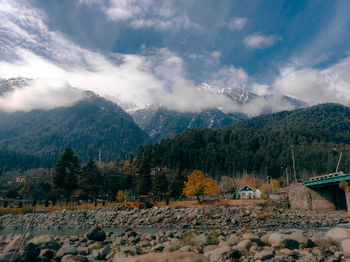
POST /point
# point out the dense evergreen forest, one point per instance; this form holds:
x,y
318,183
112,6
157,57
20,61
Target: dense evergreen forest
x,y
262,145
37,138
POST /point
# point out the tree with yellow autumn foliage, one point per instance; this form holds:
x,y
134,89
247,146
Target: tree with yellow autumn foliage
x,y
198,184
120,195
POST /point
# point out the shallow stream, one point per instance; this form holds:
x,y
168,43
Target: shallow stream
x,y
79,232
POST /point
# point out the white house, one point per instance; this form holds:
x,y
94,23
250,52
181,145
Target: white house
x,y
248,192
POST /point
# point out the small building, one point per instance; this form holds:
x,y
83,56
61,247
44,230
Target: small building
x,y
248,192
20,179
279,194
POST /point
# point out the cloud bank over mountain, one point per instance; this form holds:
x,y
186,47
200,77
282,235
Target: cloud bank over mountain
x,y
34,48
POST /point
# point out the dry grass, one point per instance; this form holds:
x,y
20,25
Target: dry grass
x,y
184,203
172,204
40,208
194,203
15,210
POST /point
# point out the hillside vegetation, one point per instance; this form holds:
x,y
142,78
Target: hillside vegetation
x,y
262,145
38,137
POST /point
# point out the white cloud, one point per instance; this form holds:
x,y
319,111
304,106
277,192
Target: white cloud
x,y
259,41
40,94
260,89
30,49
126,9
207,59
216,54
237,23
229,77
155,76
37,52
259,105
160,15
317,85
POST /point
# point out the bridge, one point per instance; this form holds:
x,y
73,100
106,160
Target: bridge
x,y
327,179
321,193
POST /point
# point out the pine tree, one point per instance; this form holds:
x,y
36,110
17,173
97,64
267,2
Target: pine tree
x,y
127,182
66,170
177,185
91,178
160,184
144,184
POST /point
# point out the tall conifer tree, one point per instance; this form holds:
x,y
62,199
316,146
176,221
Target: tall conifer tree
x,y
66,171
91,179
144,184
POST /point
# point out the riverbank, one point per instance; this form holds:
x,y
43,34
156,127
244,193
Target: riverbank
x,y
193,245
251,216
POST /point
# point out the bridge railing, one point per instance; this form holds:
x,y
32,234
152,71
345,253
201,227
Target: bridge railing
x,y
330,178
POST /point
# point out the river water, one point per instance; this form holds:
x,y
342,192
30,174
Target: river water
x,y
79,232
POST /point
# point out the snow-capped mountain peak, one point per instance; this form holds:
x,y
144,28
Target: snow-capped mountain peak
x,y
238,95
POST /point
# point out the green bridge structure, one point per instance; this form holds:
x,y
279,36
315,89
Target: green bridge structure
x,y
327,179
321,193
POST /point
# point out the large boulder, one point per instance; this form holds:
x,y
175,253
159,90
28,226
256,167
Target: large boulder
x,y
244,244
45,242
300,237
345,244
73,258
96,233
337,234
185,248
264,255
290,243
47,254
30,252
66,250
13,245
129,250
216,254
232,240
321,240
6,257
276,239
170,257
120,257
157,248
252,237
202,240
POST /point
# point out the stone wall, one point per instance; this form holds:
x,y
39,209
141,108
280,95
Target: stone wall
x,y
347,197
322,199
318,198
299,197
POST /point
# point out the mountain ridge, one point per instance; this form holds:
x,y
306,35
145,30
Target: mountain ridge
x,y
157,120
262,145
87,126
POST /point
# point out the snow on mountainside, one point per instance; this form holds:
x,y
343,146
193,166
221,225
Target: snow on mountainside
x,y
160,122
238,95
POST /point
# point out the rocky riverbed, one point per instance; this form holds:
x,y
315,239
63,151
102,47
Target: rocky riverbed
x,y
176,245
252,216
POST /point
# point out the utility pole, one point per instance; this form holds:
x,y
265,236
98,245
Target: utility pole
x,y
3,175
341,154
99,157
295,175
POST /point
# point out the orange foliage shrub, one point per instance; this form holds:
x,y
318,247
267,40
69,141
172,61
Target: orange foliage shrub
x,y
199,184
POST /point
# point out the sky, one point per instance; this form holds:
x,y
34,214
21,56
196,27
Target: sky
x,y
140,52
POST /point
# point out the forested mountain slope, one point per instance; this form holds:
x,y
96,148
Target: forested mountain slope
x,y
262,144
38,137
